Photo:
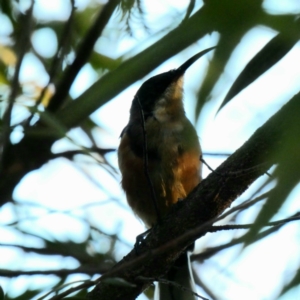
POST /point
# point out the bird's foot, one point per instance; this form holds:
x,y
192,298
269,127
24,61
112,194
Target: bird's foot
x,y
140,240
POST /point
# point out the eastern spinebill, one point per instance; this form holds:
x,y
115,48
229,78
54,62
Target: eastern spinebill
x,y
159,131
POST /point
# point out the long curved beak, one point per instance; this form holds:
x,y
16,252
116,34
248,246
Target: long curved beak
x,y
181,70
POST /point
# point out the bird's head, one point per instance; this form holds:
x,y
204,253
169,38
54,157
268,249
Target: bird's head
x,y
163,93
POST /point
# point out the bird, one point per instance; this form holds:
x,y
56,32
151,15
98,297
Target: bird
x,y
159,157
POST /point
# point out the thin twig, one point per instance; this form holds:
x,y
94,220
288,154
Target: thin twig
x,y
213,250
61,272
217,228
22,44
207,165
239,172
82,55
245,205
216,154
58,58
203,285
71,153
72,290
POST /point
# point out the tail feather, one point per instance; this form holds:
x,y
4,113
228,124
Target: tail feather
x,y
181,274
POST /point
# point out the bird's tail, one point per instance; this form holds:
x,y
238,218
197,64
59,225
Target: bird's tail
x,y
181,275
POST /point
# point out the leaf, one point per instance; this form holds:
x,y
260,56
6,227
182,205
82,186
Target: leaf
x,y
100,61
294,282
189,10
1,293
217,64
54,127
286,173
29,294
267,57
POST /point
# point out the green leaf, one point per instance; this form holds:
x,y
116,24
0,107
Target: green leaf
x,y
294,282
53,126
29,294
1,293
266,58
287,154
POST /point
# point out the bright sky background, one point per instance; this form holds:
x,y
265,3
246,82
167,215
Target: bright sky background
x,y
62,185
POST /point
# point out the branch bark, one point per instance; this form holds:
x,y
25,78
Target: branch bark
x,y
189,219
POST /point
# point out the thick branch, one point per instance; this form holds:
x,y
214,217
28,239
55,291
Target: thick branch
x,y
189,218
